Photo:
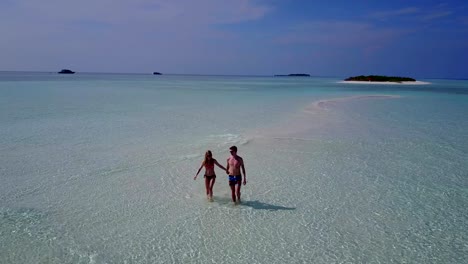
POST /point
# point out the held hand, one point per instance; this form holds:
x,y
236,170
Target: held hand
x,y
227,172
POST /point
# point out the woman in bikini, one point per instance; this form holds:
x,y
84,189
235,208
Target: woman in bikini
x,y
210,176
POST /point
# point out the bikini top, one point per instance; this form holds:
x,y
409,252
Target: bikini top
x,y
209,166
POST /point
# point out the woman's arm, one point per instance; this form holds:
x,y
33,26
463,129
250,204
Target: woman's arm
x,y
201,166
219,165
227,166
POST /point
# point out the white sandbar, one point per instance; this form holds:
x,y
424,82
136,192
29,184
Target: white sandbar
x,y
321,104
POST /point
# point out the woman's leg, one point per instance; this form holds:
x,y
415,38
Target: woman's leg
x,y
207,186
212,182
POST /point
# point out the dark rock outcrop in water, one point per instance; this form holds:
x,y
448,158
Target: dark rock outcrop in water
x,y
380,78
157,73
293,75
66,71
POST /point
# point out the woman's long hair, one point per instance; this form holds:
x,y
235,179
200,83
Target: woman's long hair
x,y
206,160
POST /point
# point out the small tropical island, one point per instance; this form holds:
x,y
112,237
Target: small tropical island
x,y
293,75
157,73
380,78
66,71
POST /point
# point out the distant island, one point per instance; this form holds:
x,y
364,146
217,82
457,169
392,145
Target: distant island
x,y
157,73
66,71
293,75
380,78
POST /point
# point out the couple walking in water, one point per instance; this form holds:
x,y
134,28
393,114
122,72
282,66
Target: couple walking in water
x,y
235,164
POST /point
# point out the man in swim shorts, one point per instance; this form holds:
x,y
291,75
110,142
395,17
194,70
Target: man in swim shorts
x,y
233,169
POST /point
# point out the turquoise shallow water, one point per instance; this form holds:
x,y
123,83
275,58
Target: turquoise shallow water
x,y
98,168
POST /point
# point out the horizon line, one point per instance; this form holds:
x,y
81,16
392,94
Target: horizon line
x,y
151,73
205,74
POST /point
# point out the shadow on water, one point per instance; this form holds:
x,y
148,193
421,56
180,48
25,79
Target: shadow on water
x,y
264,206
224,201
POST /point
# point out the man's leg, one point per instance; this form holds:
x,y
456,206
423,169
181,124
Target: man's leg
x,y
238,190
233,191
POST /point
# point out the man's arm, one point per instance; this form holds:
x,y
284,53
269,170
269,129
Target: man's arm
x,y
227,166
243,171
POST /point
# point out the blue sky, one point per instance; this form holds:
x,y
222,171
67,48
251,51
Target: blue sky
x,y
422,39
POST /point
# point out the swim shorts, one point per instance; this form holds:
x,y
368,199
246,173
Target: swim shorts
x,y
233,179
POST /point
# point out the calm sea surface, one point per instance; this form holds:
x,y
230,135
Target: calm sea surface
x,y
98,168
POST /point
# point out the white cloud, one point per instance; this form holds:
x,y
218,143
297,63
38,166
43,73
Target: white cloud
x,y
424,15
30,19
124,11
340,34
143,32
436,15
463,20
395,13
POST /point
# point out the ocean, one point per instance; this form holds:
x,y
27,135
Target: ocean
x,y
98,168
